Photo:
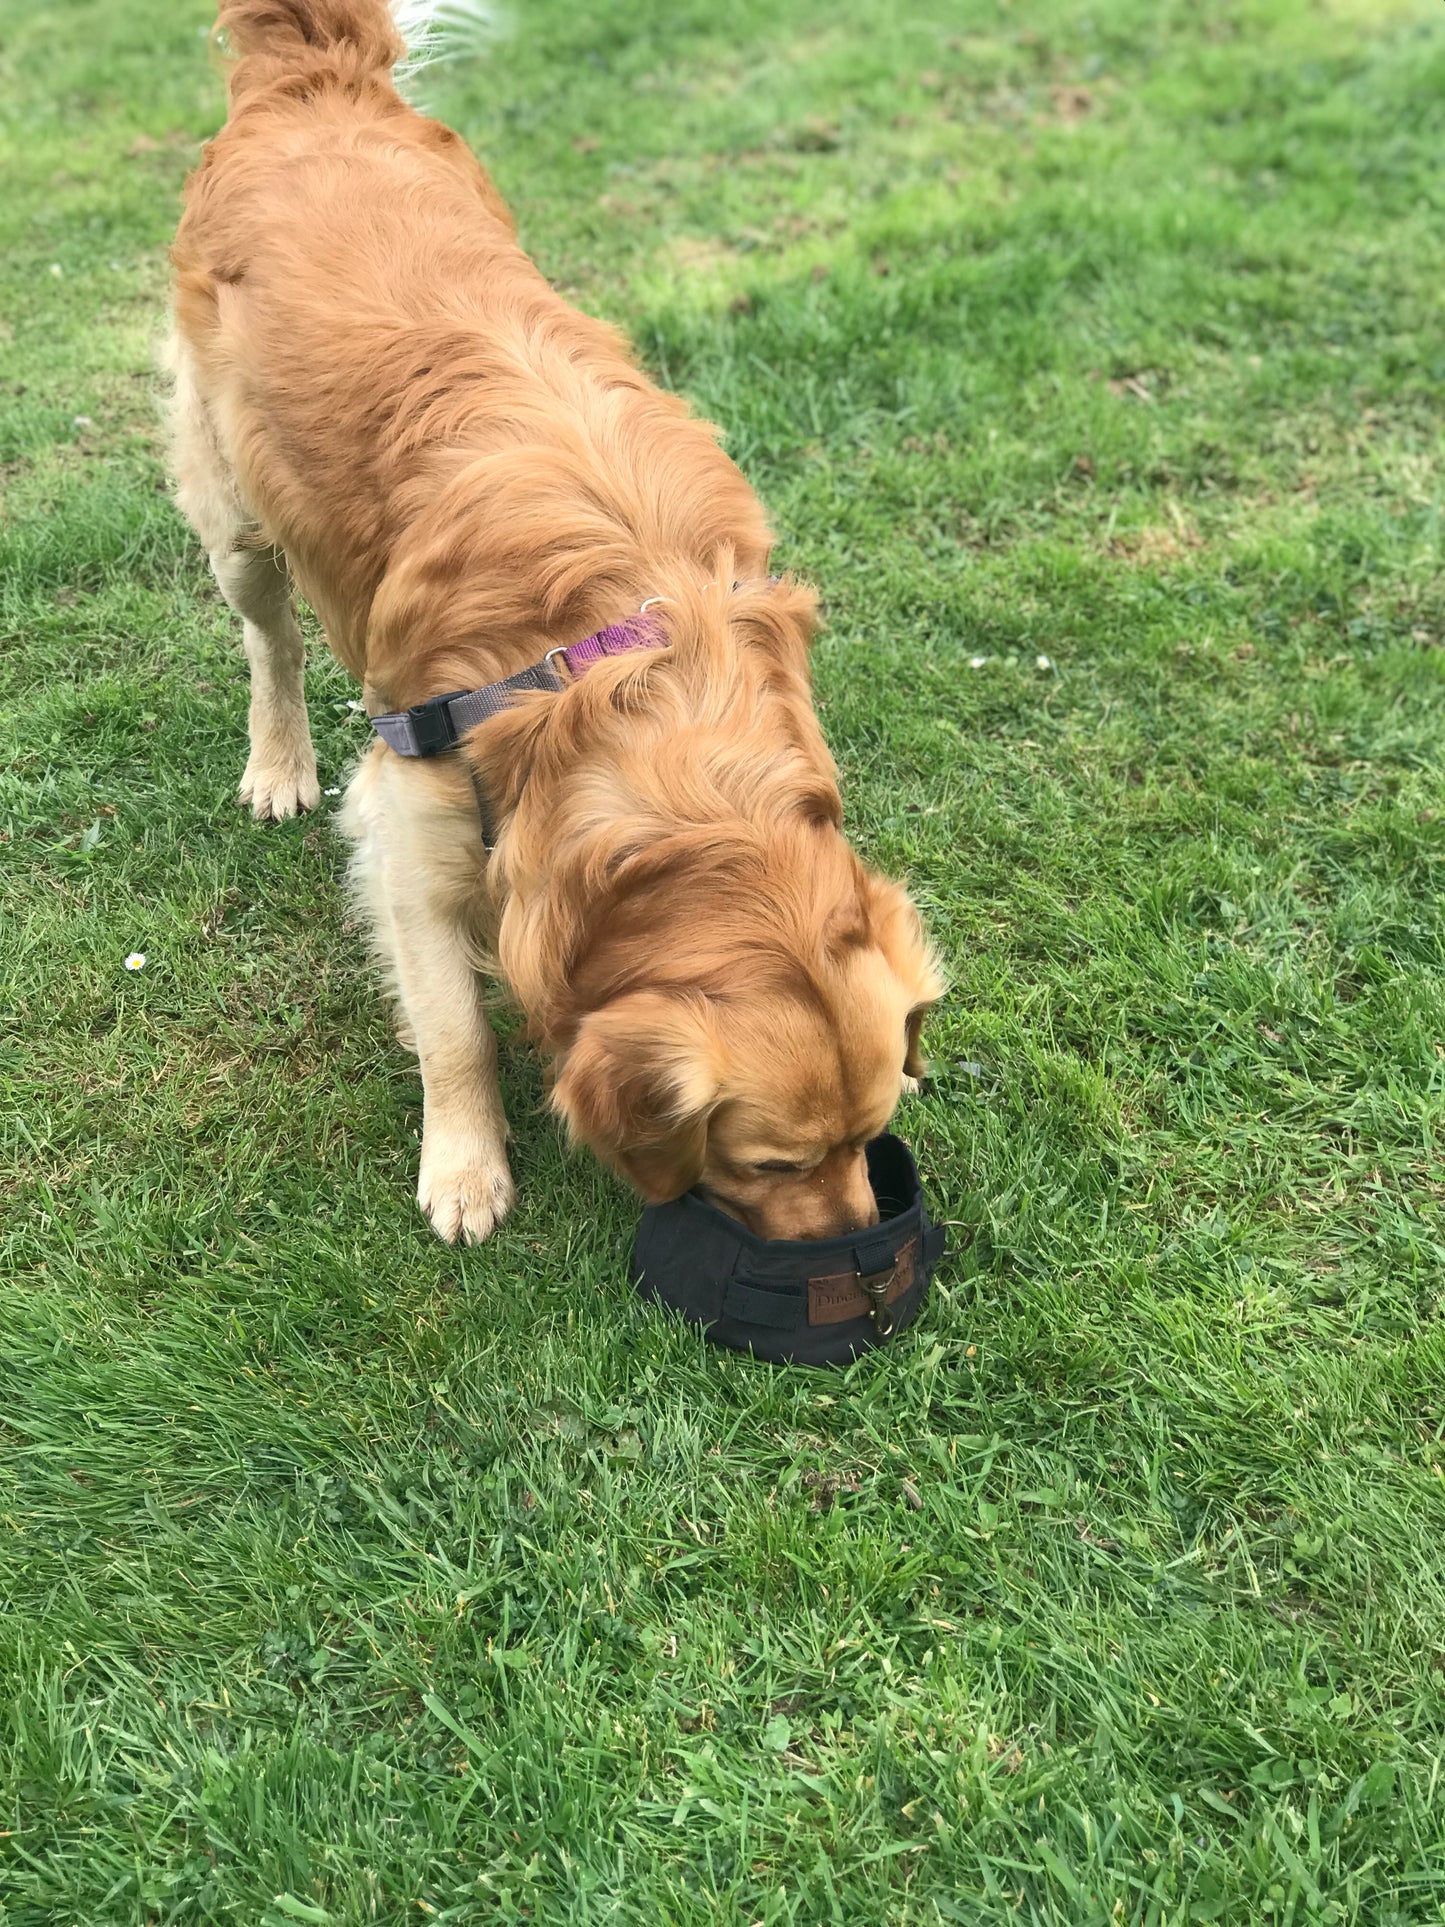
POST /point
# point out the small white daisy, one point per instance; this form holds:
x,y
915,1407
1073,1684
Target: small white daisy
x,y
1042,662
977,662
82,421
55,268
136,960
336,792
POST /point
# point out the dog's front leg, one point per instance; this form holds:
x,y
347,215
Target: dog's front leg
x,y
418,867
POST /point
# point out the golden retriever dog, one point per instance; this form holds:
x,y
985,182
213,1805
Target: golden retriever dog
x,y
379,397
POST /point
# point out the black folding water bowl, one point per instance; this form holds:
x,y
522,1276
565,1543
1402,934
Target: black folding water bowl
x,y
816,1302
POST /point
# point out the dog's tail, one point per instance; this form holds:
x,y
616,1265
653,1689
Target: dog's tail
x,y
273,39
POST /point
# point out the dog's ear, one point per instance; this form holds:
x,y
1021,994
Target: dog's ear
x,y
638,1087
780,617
914,1062
895,926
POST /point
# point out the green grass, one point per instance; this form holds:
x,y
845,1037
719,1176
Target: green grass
x,y
345,1578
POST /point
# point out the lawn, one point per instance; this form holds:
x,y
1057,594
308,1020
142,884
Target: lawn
x,y
1087,354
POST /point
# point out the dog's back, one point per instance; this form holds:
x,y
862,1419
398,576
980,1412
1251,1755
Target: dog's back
x,y
402,395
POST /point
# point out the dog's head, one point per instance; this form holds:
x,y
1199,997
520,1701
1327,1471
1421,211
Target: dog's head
x,y
755,1039
734,1001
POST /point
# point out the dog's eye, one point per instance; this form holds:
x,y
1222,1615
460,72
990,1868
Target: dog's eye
x,y
779,1167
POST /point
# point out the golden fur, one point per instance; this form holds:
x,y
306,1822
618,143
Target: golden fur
x,y
379,395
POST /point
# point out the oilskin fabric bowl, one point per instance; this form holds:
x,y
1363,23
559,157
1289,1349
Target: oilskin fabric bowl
x,y
816,1302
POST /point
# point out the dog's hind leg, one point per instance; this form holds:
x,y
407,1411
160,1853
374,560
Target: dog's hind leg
x,y
280,775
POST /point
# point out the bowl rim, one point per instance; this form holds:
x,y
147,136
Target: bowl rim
x,y
815,1250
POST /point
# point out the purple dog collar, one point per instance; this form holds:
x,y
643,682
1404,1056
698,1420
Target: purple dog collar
x,y
430,728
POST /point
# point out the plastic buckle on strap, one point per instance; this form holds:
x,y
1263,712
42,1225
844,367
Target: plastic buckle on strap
x,y
431,724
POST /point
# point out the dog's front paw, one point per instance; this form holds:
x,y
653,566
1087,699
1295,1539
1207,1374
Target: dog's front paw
x,y
465,1191
281,786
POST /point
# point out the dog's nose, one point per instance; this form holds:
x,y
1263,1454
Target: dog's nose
x,y
846,1223
855,1221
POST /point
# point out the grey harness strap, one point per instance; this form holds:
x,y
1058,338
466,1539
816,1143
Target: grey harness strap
x,y
430,728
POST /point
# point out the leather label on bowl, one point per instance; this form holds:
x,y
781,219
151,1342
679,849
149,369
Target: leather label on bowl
x,y
840,1296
